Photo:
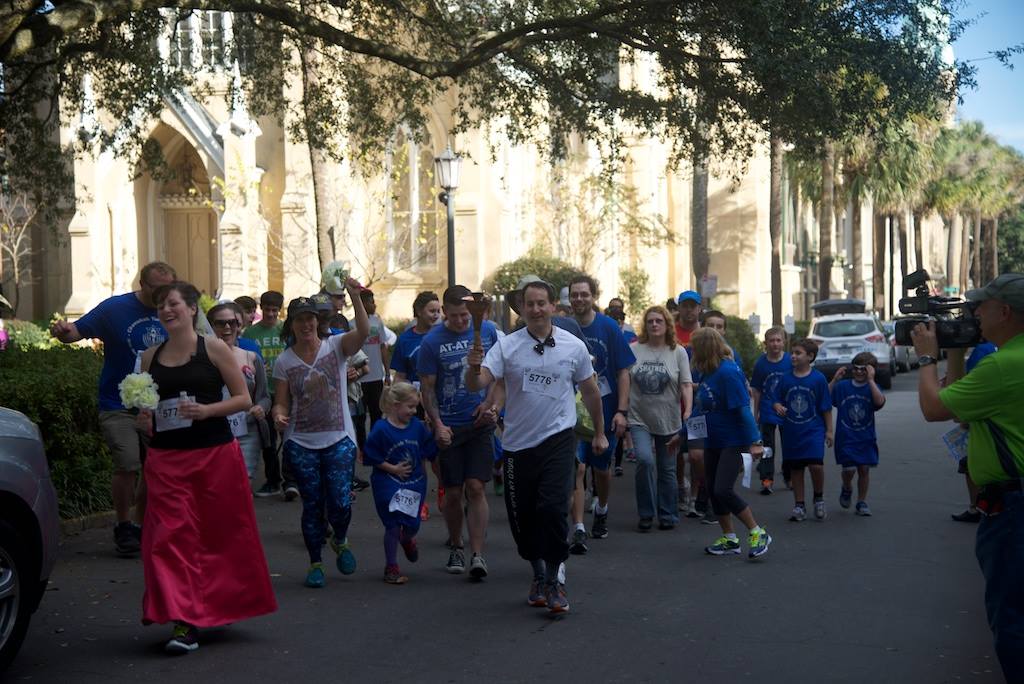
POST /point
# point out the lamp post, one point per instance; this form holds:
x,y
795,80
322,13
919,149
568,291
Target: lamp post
x,y
447,167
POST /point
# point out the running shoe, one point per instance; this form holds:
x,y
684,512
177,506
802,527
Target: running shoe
x,y
722,546
599,530
666,525
425,511
863,509
845,495
392,575
819,510
759,541
359,484
766,487
645,524
798,514
268,490
557,600
477,567
411,549
290,491
578,545
536,596
619,471
456,562
184,639
967,516
709,518
631,455
315,577
691,511
346,559
127,538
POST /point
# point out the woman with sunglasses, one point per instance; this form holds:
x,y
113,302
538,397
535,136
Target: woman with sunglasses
x,y
249,427
856,400
659,384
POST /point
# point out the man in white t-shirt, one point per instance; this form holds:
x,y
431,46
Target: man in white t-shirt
x,y
538,368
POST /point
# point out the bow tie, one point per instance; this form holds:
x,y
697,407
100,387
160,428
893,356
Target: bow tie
x,y
539,347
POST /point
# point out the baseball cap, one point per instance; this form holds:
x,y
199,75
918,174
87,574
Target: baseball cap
x,y
689,296
322,302
1008,288
301,305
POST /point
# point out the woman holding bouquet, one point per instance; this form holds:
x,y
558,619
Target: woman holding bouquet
x,y
202,558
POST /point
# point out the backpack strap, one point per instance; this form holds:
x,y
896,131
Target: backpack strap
x,y
1003,452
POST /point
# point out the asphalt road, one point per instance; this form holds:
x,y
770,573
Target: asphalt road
x,y
892,598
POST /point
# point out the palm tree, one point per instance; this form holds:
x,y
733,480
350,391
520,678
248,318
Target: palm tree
x,y
777,155
826,220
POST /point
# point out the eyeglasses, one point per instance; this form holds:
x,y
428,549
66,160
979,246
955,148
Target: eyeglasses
x,y
225,323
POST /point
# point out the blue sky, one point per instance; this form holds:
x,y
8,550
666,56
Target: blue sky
x,y
998,101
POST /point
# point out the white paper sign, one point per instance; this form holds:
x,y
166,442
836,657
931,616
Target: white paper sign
x,y
405,501
748,469
697,427
239,424
167,416
540,382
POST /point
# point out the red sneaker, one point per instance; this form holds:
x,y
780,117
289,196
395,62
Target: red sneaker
x,y
424,511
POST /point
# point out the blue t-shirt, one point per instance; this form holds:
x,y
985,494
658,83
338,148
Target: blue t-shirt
x,y
766,377
250,345
403,356
722,398
856,441
803,428
977,354
443,354
611,354
127,328
389,444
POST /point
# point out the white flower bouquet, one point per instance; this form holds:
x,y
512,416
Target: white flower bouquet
x,y
334,276
138,391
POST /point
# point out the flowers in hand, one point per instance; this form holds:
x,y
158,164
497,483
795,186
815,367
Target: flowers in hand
x,y
334,277
138,391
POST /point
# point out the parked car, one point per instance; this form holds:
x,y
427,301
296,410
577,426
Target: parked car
x,y
906,356
29,528
843,328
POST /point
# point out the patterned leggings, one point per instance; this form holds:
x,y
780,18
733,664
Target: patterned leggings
x,y
324,478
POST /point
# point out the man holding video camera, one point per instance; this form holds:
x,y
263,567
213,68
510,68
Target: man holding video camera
x,y
991,401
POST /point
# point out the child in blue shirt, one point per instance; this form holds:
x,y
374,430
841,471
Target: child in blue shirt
x,y
803,402
856,401
768,370
396,448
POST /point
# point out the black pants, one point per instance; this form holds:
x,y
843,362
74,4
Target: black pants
x,y
272,456
371,399
538,484
766,466
721,466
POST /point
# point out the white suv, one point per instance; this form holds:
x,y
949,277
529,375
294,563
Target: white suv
x,y
843,329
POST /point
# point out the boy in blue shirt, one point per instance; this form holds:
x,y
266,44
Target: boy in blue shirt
x,y
768,370
803,401
856,400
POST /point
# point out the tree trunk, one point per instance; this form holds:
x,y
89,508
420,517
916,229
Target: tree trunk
x,y
701,255
878,262
901,226
918,241
976,276
826,211
318,159
857,253
993,250
893,237
965,255
775,225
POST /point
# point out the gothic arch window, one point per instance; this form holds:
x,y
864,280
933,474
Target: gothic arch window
x,y
199,39
414,218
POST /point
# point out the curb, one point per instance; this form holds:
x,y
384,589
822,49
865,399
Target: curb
x,y
75,526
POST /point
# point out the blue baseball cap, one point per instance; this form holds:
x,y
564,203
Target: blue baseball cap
x,y
689,296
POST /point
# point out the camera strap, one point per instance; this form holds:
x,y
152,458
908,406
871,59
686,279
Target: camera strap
x,y
1003,452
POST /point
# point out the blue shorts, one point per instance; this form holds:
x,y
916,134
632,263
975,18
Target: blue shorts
x,y
603,461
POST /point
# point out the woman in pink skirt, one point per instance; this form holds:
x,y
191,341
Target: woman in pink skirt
x,y
201,553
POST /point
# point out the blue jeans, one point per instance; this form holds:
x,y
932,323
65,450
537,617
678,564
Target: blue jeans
x,y
1000,550
656,486
324,478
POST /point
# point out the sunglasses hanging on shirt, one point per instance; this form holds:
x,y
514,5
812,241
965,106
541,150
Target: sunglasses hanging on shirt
x,y
539,347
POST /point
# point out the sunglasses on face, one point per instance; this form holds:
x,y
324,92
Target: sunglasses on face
x,y
225,323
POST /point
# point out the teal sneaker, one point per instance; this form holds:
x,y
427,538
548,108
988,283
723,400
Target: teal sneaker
x,y
759,541
346,559
722,546
315,577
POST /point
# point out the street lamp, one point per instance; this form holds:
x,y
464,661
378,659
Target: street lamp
x,y
447,168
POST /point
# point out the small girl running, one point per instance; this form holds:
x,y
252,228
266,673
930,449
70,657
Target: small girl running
x,y
856,400
802,400
396,448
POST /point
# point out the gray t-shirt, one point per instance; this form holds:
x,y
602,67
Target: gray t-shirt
x,y
656,381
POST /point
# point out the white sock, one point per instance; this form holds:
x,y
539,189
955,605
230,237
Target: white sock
x,y
601,510
731,535
581,527
757,528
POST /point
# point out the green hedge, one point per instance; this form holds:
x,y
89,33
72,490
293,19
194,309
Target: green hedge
x,y
741,338
56,388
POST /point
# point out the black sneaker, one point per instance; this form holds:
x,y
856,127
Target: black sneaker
x,y
359,484
709,518
184,639
290,491
456,562
127,538
599,530
578,545
967,516
618,471
268,490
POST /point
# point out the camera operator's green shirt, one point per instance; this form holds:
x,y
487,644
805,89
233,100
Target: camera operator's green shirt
x,y
994,389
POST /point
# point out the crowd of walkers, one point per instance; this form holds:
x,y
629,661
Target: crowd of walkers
x,y
546,408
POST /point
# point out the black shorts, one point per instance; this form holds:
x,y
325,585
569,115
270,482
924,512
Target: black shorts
x,y
470,456
961,466
797,463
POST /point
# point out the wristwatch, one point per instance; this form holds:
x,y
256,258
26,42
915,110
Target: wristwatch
x,y
926,360
624,412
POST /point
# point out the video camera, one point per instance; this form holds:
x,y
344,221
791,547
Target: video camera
x,y
953,330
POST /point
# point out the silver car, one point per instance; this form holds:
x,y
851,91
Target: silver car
x,y
29,528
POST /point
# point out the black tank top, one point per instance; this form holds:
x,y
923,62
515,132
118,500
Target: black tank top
x,y
198,378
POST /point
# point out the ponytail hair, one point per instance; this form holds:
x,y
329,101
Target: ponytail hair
x,y
396,393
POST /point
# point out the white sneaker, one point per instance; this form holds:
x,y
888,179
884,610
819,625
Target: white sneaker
x,y
819,510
